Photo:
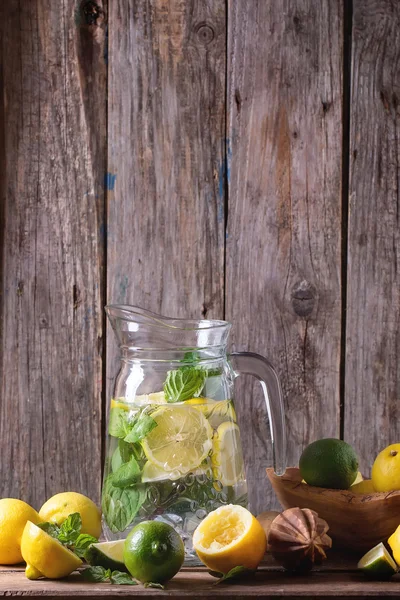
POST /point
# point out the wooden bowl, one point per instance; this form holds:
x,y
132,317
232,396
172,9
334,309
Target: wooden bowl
x,y
357,522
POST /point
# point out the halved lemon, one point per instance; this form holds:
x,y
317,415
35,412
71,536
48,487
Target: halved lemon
x,y
227,458
45,555
181,440
153,398
216,411
228,537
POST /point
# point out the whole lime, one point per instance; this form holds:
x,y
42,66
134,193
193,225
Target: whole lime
x,y
154,552
329,463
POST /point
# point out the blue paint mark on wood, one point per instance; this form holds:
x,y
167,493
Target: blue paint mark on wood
x,y
228,159
123,286
109,181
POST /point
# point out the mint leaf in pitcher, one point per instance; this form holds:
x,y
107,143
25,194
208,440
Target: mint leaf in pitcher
x,y
127,474
120,505
140,429
183,384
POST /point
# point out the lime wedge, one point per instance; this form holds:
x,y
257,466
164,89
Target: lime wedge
x,y
227,458
377,563
181,440
109,555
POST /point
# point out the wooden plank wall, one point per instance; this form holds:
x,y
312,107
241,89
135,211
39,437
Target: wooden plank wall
x,y
373,299
194,158
53,123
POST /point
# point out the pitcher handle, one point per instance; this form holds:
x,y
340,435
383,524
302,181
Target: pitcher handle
x,y
261,368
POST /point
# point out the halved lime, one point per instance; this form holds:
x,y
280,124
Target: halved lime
x,y
109,555
377,563
181,440
227,458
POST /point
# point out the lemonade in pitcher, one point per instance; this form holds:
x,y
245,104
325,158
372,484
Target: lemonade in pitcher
x,y
173,449
171,458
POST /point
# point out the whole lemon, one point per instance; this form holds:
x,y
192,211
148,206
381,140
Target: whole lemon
x,y
60,506
13,516
329,463
386,469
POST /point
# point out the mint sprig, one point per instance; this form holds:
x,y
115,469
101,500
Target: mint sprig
x,y
69,534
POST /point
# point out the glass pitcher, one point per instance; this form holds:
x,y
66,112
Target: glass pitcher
x,y
173,448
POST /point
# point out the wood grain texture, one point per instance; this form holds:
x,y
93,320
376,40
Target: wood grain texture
x,y
334,579
53,118
283,240
373,298
165,248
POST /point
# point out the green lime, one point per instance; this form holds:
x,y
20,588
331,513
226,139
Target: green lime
x,y
377,563
329,463
154,552
109,555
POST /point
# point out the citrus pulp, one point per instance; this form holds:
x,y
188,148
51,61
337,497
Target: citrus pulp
x,y
228,537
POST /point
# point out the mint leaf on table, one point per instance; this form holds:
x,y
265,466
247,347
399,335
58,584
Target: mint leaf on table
x,y
235,574
151,584
51,528
82,543
95,574
142,427
70,529
127,474
100,575
184,383
120,506
120,578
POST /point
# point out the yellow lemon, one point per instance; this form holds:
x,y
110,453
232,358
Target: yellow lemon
x,y
45,555
181,440
386,469
228,537
359,478
363,487
60,506
227,458
394,543
13,516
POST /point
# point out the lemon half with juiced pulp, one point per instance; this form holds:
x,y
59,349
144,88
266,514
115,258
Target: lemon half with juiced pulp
x,y
181,440
46,556
229,537
227,458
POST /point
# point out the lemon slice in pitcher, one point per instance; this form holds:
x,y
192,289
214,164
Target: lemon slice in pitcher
x,y
227,459
181,440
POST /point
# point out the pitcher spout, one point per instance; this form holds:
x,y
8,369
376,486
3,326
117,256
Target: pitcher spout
x,y
138,328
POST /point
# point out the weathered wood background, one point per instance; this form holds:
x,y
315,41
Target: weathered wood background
x,y
231,159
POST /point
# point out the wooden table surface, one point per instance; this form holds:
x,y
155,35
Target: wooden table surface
x,y
336,578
